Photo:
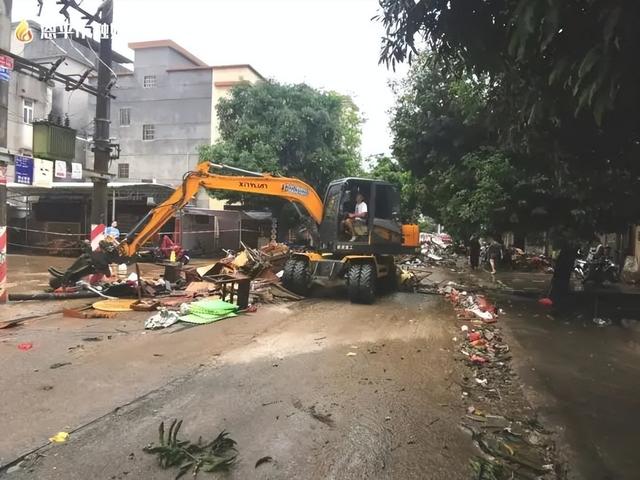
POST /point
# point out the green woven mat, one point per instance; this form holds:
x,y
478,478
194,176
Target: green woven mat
x,y
209,311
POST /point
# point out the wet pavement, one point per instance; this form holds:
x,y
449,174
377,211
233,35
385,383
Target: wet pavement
x,y
586,380
280,381
582,377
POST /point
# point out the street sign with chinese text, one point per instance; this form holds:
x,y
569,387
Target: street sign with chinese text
x,y
23,170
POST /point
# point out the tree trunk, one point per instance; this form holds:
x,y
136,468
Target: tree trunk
x,y
562,275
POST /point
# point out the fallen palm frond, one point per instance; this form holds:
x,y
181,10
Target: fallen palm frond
x,y
217,455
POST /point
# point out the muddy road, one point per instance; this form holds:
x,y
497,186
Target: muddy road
x,y
326,388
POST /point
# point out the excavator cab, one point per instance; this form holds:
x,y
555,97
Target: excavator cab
x,y
379,232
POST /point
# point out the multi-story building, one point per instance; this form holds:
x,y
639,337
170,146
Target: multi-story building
x,y
165,110
31,99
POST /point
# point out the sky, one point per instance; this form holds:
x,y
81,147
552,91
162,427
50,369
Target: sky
x,y
328,44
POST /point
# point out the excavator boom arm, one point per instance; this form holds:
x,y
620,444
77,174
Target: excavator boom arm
x,y
290,189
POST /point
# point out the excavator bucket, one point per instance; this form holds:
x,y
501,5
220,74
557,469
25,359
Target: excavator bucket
x,y
88,263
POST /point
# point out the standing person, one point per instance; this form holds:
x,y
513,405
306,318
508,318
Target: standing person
x,y
356,223
495,253
474,252
113,231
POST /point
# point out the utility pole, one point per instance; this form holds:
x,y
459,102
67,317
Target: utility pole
x,y
5,44
102,148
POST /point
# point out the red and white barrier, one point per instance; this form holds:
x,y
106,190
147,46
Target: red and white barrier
x,y
97,235
3,265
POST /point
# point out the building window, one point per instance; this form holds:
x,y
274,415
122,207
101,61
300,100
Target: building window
x,y
27,110
149,81
123,170
148,132
125,117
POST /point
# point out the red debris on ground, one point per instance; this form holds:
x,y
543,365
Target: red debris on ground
x,y
546,302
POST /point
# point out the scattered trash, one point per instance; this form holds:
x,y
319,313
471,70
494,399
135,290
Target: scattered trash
x,y
602,322
162,319
262,460
321,417
77,313
59,364
527,262
477,359
546,302
145,305
473,336
218,455
59,437
25,346
201,288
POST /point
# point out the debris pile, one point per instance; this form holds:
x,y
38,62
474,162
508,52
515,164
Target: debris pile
x,y
527,262
413,276
511,447
469,306
195,295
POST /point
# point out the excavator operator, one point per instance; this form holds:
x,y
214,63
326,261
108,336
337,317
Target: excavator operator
x,y
356,223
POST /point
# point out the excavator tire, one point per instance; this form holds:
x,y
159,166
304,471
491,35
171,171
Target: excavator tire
x,y
361,281
287,271
300,278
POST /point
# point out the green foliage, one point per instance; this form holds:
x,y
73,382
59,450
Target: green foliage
x,y
588,49
291,130
551,86
480,194
215,456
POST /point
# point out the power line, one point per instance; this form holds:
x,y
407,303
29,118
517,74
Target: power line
x,y
100,60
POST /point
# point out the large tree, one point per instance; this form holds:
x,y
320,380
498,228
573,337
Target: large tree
x,y
443,136
562,91
292,130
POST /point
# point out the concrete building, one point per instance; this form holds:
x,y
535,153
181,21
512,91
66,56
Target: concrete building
x,y
166,109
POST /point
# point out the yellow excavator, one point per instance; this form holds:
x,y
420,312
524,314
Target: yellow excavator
x,y
365,261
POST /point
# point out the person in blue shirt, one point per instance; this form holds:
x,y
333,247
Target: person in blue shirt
x,y
113,231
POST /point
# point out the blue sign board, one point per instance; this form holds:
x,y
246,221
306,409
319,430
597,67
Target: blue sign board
x,y
24,170
5,74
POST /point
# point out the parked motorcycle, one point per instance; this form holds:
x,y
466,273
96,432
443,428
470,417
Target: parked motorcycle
x,y
596,267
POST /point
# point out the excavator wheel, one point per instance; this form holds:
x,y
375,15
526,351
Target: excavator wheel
x,y
296,276
361,283
287,271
